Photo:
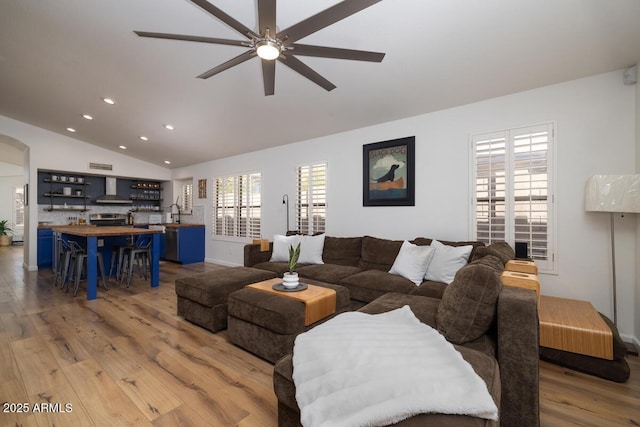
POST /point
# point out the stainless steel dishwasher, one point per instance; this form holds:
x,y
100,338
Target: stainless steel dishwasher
x,y
172,250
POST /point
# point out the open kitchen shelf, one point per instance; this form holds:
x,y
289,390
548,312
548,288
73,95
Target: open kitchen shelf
x,y
56,183
147,196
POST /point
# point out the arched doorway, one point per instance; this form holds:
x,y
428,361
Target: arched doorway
x,y
13,207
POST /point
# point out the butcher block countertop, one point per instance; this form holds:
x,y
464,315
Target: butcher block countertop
x,y
102,231
172,225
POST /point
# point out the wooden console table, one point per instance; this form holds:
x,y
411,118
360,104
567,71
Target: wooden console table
x,y
574,326
320,302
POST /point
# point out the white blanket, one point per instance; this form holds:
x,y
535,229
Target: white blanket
x,y
359,369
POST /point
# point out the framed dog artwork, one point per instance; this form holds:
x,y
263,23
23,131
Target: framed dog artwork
x,y
388,177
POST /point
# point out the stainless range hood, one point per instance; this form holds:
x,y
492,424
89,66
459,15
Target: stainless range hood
x,y
111,197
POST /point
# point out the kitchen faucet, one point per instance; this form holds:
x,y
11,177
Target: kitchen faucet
x,y
177,206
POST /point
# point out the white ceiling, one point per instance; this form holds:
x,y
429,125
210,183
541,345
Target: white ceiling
x,y
58,58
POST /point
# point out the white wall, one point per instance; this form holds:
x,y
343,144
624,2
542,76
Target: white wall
x,y
595,126
50,150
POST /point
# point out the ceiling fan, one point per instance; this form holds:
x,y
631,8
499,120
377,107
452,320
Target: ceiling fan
x,y
270,45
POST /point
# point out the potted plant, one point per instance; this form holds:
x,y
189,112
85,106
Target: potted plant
x,y
4,233
290,279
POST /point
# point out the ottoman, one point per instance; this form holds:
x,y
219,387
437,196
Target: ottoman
x,y
202,298
267,325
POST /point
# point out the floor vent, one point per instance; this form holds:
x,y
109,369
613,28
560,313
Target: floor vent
x,y
101,166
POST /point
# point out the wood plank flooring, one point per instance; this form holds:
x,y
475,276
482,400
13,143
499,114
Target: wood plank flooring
x,y
126,359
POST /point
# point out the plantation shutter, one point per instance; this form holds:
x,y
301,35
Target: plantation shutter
x,y
250,206
237,206
490,167
512,194
187,197
531,189
311,198
18,219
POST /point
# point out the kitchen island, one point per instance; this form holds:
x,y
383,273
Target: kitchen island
x,y
90,236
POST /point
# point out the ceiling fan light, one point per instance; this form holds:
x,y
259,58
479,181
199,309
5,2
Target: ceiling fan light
x,y
268,50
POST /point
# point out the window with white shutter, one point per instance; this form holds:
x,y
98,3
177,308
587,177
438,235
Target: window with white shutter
x,y
513,189
186,204
237,206
18,207
311,198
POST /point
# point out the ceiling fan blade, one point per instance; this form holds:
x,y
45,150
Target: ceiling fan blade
x,y
298,66
269,76
267,17
337,53
191,38
323,19
239,27
230,63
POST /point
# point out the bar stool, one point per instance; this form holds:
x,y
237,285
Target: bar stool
x,y
78,256
140,252
117,258
63,259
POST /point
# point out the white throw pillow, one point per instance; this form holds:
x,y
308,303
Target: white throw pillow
x,y
412,261
446,261
311,248
281,246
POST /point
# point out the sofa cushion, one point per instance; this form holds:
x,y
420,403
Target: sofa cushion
x,y
424,308
328,273
277,267
311,248
412,261
378,254
446,261
342,250
429,288
281,245
469,303
370,284
476,244
490,261
501,250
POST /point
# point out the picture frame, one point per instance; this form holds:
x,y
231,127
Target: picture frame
x,y
202,189
388,177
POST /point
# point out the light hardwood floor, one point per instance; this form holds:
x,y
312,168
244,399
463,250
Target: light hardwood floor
x,y
127,359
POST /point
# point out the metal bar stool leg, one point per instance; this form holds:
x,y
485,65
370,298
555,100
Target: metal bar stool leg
x,y
101,268
79,264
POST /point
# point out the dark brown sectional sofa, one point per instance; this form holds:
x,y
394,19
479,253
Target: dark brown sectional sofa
x,y
494,327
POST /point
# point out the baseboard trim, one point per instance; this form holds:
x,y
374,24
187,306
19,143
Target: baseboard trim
x,y
221,262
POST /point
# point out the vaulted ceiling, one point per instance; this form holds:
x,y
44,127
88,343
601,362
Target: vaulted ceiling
x,y
59,58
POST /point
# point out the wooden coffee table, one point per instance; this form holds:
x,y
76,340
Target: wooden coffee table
x,y
574,326
320,302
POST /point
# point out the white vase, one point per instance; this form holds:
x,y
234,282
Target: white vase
x,y
290,280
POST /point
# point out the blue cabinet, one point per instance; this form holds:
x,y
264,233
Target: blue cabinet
x,y
45,248
191,244
184,244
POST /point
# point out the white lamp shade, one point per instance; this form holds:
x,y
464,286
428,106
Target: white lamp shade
x,y
612,193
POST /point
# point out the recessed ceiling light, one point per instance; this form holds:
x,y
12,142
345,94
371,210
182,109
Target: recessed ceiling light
x,y
71,129
88,117
109,101
169,127
123,147
167,162
144,138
